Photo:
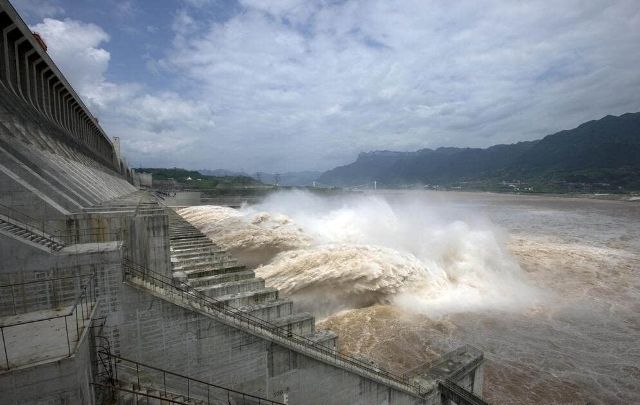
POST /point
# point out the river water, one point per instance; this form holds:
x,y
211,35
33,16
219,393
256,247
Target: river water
x,y
548,287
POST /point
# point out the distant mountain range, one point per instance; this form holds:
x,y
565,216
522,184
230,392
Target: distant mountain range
x,y
605,152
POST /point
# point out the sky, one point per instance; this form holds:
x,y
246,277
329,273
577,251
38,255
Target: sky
x,y
289,85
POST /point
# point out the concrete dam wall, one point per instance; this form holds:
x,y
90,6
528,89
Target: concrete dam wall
x,y
106,294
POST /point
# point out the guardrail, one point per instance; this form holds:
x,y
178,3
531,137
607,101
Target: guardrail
x,y
266,329
25,295
450,391
79,312
37,226
454,374
62,235
170,385
137,394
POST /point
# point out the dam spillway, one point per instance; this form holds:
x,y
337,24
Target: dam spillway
x,y
107,294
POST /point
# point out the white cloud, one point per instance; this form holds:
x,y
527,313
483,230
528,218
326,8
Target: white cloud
x,y
75,47
313,83
296,11
150,123
39,8
298,84
199,3
162,109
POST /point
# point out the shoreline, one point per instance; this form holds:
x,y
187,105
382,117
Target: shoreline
x,y
628,198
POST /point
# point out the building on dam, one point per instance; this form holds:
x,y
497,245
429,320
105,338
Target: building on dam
x,y
108,296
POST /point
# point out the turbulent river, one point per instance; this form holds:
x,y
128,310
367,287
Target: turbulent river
x,y
549,288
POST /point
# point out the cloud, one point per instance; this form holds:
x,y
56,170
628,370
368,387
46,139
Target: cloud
x,y
313,83
296,84
297,11
199,3
39,9
75,47
150,122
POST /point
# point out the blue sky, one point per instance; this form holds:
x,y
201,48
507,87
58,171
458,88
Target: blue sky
x,y
300,84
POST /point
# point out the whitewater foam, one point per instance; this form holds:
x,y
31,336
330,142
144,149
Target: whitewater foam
x,y
356,251
578,345
328,278
254,237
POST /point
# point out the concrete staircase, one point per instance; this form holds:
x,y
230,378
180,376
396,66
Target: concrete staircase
x,y
24,233
212,271
208,281
279,331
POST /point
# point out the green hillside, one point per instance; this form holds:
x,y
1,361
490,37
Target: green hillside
x,y
597,155
191,179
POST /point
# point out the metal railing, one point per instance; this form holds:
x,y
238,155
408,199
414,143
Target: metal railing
x,y
136,394
258,326
169,385
37,226
451,391
78,315
60,236
26,296
455,374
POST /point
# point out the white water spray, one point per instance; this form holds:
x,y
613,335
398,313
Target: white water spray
x,y
354,251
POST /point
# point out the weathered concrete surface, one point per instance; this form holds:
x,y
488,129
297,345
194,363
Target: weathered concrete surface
x,y
102,226
142,180
63,381
160,333
40,339
45,372
33,79
147,242
465,366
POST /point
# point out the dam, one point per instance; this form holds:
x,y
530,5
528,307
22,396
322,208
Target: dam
x,y
107,295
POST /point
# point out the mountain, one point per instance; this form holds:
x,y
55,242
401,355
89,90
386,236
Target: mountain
x,y
605,151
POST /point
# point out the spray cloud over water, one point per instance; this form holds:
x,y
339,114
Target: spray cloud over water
x,y
358,250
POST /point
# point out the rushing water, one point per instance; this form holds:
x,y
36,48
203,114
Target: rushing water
x,y
549,288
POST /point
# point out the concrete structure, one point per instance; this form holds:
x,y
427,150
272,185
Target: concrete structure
x,y
142,180
106,293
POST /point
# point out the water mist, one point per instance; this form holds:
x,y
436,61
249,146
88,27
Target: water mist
x,y
357,250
